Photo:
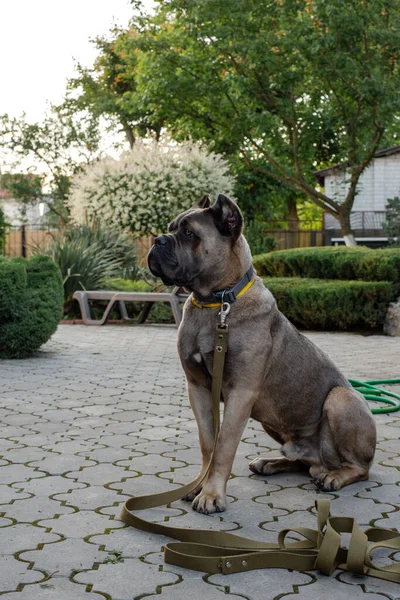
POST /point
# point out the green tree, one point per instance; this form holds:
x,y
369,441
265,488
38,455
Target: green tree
x,y
58,146
109,88
288,85
264,199
26,190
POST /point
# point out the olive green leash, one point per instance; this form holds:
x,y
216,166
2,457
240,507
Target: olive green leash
x,y
224,552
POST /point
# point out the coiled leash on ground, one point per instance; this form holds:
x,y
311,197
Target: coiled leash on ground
x,y
223,552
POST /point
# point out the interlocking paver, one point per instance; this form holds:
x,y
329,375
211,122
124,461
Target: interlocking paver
x,y
8,495
24,536
267,584
70,556
81,524
56,588
35,508
90,498
82,428
370,585
128,579
332,588
15,572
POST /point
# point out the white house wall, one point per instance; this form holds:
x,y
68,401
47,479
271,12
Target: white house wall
x,y
12,212
380,181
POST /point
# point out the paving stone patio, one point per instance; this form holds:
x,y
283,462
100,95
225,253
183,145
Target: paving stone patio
x,y
100,414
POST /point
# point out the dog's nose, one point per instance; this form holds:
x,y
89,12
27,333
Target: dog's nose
x,y
161,240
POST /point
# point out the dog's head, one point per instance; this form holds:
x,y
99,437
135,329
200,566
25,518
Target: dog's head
x,y
201,247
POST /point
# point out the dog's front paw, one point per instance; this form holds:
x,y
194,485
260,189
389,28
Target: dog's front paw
x,y
192,495
208,503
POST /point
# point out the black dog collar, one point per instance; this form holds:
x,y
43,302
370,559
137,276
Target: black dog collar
x,y
228,295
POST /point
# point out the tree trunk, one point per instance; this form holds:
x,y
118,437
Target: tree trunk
x,y
129,136
293,214
23,240
344,220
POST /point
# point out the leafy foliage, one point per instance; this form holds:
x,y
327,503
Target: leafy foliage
x,y
332,304
30,304
26,189
265,199
58,145
148,186
392,225
3,229
284,85
332,263
109,88
88,256
258,241
114,557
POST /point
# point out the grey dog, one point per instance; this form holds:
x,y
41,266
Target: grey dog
x,y
272,372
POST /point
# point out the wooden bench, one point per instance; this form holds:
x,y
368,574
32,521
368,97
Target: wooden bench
x,y
174,298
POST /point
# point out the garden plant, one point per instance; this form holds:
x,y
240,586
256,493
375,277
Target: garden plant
x,y
31,299
145,188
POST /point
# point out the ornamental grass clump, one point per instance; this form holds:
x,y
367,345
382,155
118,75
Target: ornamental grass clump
x,y
147,187
88,256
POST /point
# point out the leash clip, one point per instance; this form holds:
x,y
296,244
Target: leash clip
x,y
223,314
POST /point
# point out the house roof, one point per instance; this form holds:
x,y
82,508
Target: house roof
x,y
320,175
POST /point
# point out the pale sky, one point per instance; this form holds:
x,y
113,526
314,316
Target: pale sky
x,y
39,40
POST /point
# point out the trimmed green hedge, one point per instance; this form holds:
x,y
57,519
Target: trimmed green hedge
x,y
332,304
31,300
308,303
339,262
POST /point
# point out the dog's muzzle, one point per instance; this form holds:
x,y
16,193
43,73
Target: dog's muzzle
x,y
161,260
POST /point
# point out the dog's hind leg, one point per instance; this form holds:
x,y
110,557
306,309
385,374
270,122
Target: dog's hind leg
x,y
270,466
353,436
296,457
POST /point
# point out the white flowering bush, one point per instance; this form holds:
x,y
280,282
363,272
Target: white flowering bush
x,y
147,187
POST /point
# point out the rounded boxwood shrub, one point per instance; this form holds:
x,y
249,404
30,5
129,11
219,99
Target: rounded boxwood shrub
x,y
31,300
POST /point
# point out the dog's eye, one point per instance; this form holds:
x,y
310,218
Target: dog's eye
x,y
188,233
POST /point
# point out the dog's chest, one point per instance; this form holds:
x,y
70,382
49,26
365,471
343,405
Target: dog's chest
x,y
196,339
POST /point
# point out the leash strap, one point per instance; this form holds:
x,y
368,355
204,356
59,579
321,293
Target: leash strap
x,y
224,552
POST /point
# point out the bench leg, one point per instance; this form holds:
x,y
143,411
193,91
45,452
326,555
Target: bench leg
x,y
85,308
86,315
123,311
176,310
145,312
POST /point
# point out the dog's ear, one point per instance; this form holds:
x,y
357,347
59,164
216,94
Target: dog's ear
x,y
205,202
227,217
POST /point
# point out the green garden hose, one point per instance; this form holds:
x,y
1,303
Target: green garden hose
x,y
375,394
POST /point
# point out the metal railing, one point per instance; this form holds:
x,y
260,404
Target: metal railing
x,y
360,220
